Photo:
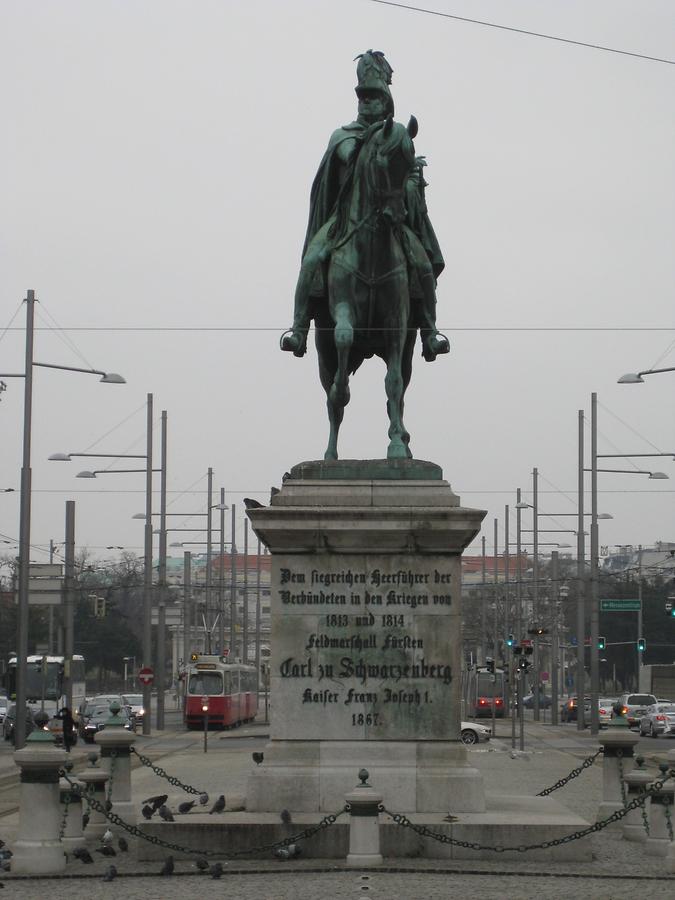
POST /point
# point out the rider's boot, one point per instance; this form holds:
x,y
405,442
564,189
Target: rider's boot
x,y
433,343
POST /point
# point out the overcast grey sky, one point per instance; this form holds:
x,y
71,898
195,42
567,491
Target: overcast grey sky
x,y
157,158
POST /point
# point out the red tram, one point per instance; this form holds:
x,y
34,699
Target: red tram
x,y
231,688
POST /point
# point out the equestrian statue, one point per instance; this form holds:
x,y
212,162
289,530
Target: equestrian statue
x,y
370,259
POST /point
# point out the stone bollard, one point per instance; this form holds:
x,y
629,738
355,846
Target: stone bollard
x,y
617,742
94,780
670,856
38,849
660,811
115,742
634,822
364,824
71,808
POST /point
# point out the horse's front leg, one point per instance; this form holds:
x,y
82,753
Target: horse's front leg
x,y
395,385
344,339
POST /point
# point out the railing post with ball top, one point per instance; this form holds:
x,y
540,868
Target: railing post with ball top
x,y
660,814
635,823
94,779
71,807
364,824
115,741
618,742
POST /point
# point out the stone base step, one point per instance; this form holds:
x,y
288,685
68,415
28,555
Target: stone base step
x,y
508,822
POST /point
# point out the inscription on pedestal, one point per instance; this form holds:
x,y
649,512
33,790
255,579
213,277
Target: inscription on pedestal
x,y
365,647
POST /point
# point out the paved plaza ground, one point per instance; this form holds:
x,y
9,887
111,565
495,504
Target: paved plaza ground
x,y
618,869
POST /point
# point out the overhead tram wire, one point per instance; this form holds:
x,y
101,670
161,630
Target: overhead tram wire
x,y
201,329
538,34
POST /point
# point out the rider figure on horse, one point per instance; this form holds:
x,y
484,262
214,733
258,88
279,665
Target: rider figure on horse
x,y
425,262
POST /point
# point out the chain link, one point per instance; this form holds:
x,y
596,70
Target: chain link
x,y
134,830
645,817
176,782
616,816
573,774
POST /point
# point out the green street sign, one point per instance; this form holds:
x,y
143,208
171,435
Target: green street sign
x,y
619,606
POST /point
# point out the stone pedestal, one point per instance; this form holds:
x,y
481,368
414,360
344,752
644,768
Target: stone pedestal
x,y
73,835
38,849
634,821
618,742
660,811
366,638
115,742
94,780
364,824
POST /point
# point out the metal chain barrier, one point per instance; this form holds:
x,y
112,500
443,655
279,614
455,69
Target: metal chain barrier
x,y
616,816
645,817
176,782
622,783
573,774
669,819
135,831
66,804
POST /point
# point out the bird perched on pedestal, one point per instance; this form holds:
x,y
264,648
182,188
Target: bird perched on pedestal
x,y
167,868
184,808
219,805
165,814
286,817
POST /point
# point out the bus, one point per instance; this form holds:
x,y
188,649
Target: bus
x,y
45,682
482,689
231,689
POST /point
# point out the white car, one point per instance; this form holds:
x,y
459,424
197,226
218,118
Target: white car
x,y
4,706
473,733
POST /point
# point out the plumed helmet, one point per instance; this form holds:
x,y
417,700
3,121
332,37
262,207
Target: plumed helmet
x,y
373,73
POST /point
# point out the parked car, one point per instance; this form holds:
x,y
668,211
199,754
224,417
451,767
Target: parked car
x,y
605,710
473,733
9,722
134,703
569,710
98,717
635,705
4,704
658,719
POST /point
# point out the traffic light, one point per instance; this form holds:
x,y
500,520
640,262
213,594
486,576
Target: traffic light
x,y
523,663
538,631
510,641
490,665
642,645
602,643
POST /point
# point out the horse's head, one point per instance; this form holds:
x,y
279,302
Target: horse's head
x,y
392,159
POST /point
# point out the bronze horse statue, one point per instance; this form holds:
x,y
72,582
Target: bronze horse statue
x,y
369,310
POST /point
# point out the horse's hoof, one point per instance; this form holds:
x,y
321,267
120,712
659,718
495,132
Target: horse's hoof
x,y
397,450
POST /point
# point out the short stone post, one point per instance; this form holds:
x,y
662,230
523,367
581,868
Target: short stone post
x,y
617,742
634,822
94,779
115,742
364,824
71,808
660,812
38,850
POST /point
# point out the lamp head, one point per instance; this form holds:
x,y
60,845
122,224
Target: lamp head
x,y
631,378
113,378
86,474
605,516
138,516
658,475
60,457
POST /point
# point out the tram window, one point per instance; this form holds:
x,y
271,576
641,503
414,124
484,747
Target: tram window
x,y
228,683
206,683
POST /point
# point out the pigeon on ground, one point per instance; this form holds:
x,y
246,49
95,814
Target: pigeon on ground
x,y
202,864
289,852
85,820
107,837
123,845
106,850
165,814
184,808
110,874
216,870
83,855
219,805
258,758
286,817
157,801
203,799
167,868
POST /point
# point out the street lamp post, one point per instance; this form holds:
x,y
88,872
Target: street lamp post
x,y
25,508
160,678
